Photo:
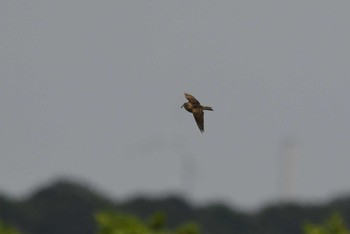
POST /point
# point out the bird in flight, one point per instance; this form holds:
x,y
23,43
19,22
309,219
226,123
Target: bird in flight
x,y
196,109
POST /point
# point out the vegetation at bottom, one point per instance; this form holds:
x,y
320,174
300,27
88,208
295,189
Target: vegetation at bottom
x,y
117,223
334,225
71,208
7,229
111,222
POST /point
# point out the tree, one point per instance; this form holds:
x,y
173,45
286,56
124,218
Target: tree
x,y
117,223
334,225
5,229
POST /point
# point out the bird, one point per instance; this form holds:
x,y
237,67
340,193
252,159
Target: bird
x,y
193,106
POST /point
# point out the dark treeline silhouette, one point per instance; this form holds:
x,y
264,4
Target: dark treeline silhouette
x,y
68,207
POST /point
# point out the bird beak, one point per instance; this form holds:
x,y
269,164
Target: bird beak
x,y
182,106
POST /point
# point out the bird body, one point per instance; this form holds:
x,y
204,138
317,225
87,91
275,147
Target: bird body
x,y
193,106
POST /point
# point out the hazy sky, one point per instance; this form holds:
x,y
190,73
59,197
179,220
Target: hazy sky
x,y
93,89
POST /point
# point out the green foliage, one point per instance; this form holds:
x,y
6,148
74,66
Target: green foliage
x,y
69,208
5,229
334,225
190,228
117,223
157,221
113,223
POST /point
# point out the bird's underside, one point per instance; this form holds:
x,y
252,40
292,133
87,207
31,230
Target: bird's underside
x,y
194,106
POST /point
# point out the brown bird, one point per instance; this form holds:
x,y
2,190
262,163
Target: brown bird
x,y
196,109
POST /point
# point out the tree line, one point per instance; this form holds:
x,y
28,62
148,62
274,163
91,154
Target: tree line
x,y
73,208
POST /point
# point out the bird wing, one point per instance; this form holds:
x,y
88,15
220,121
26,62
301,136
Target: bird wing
x,y
199,117
191,99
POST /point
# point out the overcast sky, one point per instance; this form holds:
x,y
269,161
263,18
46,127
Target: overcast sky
x,y
93,89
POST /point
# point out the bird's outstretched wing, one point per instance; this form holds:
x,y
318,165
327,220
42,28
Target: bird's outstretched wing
x,y
191,99
199,117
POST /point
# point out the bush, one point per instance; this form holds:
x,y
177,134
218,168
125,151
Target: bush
x,y
117,223
334,225
5,229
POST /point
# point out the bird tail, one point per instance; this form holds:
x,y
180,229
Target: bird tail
x,y
207,108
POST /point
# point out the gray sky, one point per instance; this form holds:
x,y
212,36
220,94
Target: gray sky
x,y
93,89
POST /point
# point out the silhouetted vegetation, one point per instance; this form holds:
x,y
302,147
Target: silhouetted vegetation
x,y
6,229
70,208
117,223
334,225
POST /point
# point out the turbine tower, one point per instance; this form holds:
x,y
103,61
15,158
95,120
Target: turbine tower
x,y
288,153
188,166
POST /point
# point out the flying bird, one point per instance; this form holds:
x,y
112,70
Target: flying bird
x,y
196,109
